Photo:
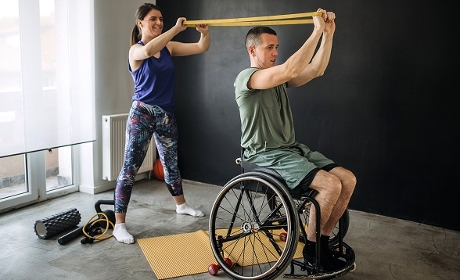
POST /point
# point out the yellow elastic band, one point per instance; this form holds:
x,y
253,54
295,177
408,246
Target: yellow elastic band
x,y
262,20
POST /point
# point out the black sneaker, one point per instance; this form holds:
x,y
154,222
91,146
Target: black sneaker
x,y
309,254
325,250
335,261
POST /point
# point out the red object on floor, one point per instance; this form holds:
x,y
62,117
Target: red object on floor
x,y
213,269
283,236
228,262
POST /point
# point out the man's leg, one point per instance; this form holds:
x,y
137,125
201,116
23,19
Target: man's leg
x,y
329,188
348,182
336,185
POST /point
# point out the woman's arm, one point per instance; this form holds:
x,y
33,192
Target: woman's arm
x,y
183,49
137,52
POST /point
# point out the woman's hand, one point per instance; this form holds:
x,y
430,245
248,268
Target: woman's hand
x,y
202,28
180,24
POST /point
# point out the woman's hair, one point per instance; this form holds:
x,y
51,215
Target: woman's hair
x,y
141,13
253,35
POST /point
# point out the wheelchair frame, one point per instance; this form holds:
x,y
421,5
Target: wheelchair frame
x,y
255,222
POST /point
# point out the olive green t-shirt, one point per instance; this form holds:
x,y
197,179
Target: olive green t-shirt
x,y
266,117
267,132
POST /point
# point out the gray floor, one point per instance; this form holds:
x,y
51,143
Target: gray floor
x,y
385,248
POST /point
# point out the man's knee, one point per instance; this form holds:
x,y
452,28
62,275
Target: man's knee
x,y
347,178
327,183
349,182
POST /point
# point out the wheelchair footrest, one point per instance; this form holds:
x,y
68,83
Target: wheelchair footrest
x,y
324,275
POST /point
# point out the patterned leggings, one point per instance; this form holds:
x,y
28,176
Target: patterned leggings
x,y
143,121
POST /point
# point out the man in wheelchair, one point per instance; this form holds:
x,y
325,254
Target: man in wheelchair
x,y
268,136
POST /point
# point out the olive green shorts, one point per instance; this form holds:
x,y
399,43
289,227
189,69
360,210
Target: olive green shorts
x,y
293,163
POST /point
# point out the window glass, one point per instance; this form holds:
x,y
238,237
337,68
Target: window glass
x,y
12,176
58,168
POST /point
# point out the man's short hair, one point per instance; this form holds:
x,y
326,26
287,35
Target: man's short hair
x,y
253,35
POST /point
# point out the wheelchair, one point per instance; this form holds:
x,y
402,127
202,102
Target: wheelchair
x,y
258,223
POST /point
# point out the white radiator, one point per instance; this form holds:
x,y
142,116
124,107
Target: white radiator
x,y
113,147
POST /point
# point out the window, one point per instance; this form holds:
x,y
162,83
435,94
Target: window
x,y
47,80
46,92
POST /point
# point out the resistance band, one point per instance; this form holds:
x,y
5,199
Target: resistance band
x,y
97,232
299,18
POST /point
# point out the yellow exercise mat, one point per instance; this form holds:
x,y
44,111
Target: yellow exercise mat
x,y
182,254
179,254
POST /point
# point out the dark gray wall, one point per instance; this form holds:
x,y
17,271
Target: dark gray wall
x,y
387,107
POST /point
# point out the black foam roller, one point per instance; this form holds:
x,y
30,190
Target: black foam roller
x,y
57,223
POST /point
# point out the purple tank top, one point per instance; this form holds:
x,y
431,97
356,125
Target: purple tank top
x,y
154,81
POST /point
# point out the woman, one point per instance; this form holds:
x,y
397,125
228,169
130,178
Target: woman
x,y
152,109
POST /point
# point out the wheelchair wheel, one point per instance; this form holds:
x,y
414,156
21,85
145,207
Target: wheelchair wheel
x,y
260,240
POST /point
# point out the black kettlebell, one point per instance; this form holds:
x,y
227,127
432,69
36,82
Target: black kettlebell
x,y
109,213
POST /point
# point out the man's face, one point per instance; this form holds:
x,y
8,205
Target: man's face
x,y
266,53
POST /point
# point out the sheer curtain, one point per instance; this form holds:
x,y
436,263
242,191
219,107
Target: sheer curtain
x,y
46,74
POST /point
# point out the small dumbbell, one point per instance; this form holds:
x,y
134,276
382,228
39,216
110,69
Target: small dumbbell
x,y
214,268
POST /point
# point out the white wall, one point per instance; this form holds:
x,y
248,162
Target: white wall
x,y
113,20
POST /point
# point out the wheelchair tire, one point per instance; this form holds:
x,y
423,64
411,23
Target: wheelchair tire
x,y
246,229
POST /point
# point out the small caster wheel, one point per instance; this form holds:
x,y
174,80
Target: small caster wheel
x,y
353,267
